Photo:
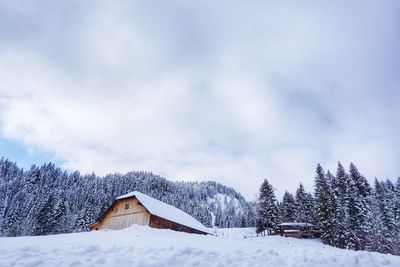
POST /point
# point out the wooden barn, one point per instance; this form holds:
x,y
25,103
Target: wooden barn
x,y
138,208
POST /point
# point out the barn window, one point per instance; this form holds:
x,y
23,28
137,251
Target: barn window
x,y
127,206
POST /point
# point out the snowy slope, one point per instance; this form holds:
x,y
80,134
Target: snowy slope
x,y
229,210
145,247
223,199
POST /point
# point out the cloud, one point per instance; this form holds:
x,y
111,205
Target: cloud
x,y
227,91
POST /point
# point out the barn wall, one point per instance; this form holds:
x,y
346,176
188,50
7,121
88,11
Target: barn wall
x,y
118,217
161,223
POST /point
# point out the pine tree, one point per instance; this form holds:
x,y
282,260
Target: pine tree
x,y
397,215
304,206
359,210
84,219
268,217
287,208
59,215
385,237
311,208
43,224
397,203
341,189
325,205
14,215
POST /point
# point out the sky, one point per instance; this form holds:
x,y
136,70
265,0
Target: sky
x,y
231,91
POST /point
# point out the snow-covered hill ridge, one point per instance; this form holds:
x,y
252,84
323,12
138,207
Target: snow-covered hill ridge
x,y
228,209
73,201
144,247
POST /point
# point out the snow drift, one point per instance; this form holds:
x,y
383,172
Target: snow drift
x,y
143,246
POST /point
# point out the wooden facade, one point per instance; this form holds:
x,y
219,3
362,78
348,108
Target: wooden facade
x,y
129,211
123,213
298,230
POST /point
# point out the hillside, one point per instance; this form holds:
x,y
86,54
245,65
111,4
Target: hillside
x,y
47,200
147,247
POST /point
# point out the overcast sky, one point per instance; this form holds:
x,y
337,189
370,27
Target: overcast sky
x,y
232,91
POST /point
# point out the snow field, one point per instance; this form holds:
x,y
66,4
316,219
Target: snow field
x,y
146,247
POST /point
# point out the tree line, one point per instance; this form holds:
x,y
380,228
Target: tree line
x,y
350,212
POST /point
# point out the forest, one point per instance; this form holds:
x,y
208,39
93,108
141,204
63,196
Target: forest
x,y
46,200
350,212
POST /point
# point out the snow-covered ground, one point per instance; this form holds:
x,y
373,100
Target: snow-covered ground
x,y
145,247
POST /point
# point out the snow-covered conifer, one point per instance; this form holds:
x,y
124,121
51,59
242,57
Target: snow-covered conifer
x,y
325,205
287,208
268,217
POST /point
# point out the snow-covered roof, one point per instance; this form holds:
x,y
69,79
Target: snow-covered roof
x,y
166,211
292,231
297,224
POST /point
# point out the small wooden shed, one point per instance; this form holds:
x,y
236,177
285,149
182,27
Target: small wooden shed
x,y
298,230
138,208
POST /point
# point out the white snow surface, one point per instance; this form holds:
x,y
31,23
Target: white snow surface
x,y
141,246
166,211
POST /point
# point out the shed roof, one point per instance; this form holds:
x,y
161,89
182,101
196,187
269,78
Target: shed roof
x,y
296,224
166,211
